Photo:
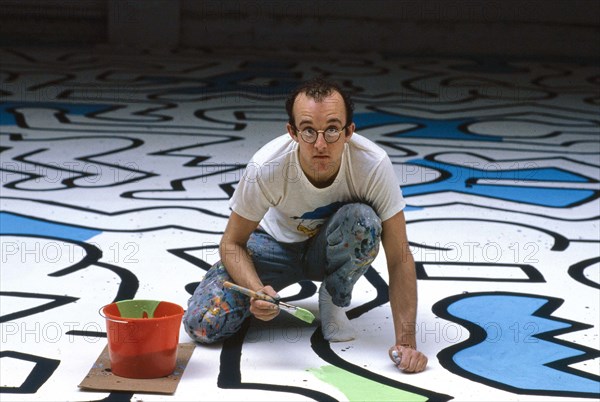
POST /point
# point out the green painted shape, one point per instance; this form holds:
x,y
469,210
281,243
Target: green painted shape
x,y
357,388
137,308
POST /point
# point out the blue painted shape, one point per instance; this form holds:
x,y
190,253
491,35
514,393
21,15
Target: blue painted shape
x,y
461,179
79,109
284,81
510,354
370,119
21,225
425,128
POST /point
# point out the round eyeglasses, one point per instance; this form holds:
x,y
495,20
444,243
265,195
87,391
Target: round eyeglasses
x,y
330,134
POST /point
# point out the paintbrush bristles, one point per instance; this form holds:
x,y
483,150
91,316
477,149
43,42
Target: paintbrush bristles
x,y
304,315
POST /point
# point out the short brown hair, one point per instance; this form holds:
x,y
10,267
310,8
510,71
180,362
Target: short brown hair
x,y
318,89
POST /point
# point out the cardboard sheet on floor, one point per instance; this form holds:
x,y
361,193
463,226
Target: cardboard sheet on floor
x,y
100,378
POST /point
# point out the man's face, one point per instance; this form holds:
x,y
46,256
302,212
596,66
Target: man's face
x,y
321,160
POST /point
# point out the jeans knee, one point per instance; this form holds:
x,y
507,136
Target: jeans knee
x,y
353,236
193,325
213,313
359,221
203,329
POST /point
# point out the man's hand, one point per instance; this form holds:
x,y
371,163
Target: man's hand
x,y
264,310
408,359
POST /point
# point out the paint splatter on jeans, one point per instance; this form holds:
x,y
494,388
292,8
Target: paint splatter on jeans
x,y
353,239
338,255
214,312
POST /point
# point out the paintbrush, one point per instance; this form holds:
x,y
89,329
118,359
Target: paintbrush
x,y
296,311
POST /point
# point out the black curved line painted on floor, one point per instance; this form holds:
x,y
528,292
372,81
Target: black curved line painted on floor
x,y
533,275
73,175
491,208
230,373
178,186
87,334
57,301
92,253
129,282
39,374
184,255
324,351
382,297
191,287
518,147
307,289
230,376
576,271
560,242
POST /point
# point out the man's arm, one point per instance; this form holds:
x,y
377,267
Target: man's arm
x,y
402,293
240,267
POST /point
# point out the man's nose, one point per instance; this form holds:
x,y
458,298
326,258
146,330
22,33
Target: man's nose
x,y
320,143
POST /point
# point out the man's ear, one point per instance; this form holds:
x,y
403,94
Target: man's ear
x,y
292,132
349,132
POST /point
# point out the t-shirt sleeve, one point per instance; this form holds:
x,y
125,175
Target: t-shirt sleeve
x,y
251,199
383,191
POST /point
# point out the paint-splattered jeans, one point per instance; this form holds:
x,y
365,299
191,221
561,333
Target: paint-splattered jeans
x,y
338,255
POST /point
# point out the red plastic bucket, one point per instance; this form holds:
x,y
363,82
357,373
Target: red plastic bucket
x,y
142,337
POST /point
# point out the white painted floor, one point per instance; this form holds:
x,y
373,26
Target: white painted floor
x,y
116,172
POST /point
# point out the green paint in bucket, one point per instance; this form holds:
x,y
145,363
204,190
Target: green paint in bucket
x,y
137,308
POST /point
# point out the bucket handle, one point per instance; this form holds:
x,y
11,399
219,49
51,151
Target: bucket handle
x,y
110,319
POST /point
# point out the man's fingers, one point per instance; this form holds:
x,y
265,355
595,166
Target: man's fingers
x,y
408,360
263,310
421,364
269,291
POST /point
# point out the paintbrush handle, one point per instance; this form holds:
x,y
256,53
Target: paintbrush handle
x,y
248,292
297,312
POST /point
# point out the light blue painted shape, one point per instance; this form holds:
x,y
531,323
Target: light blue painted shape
x,y
284,81
426,128
8,119
20,225
459,177
510,354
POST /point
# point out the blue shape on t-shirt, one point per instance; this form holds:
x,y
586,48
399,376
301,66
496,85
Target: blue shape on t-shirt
x,y
323,212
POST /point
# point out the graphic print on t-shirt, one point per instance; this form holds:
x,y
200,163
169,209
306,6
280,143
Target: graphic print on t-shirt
x,y
310,222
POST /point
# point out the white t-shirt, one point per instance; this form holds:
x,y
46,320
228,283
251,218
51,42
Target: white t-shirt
x,y
275,192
